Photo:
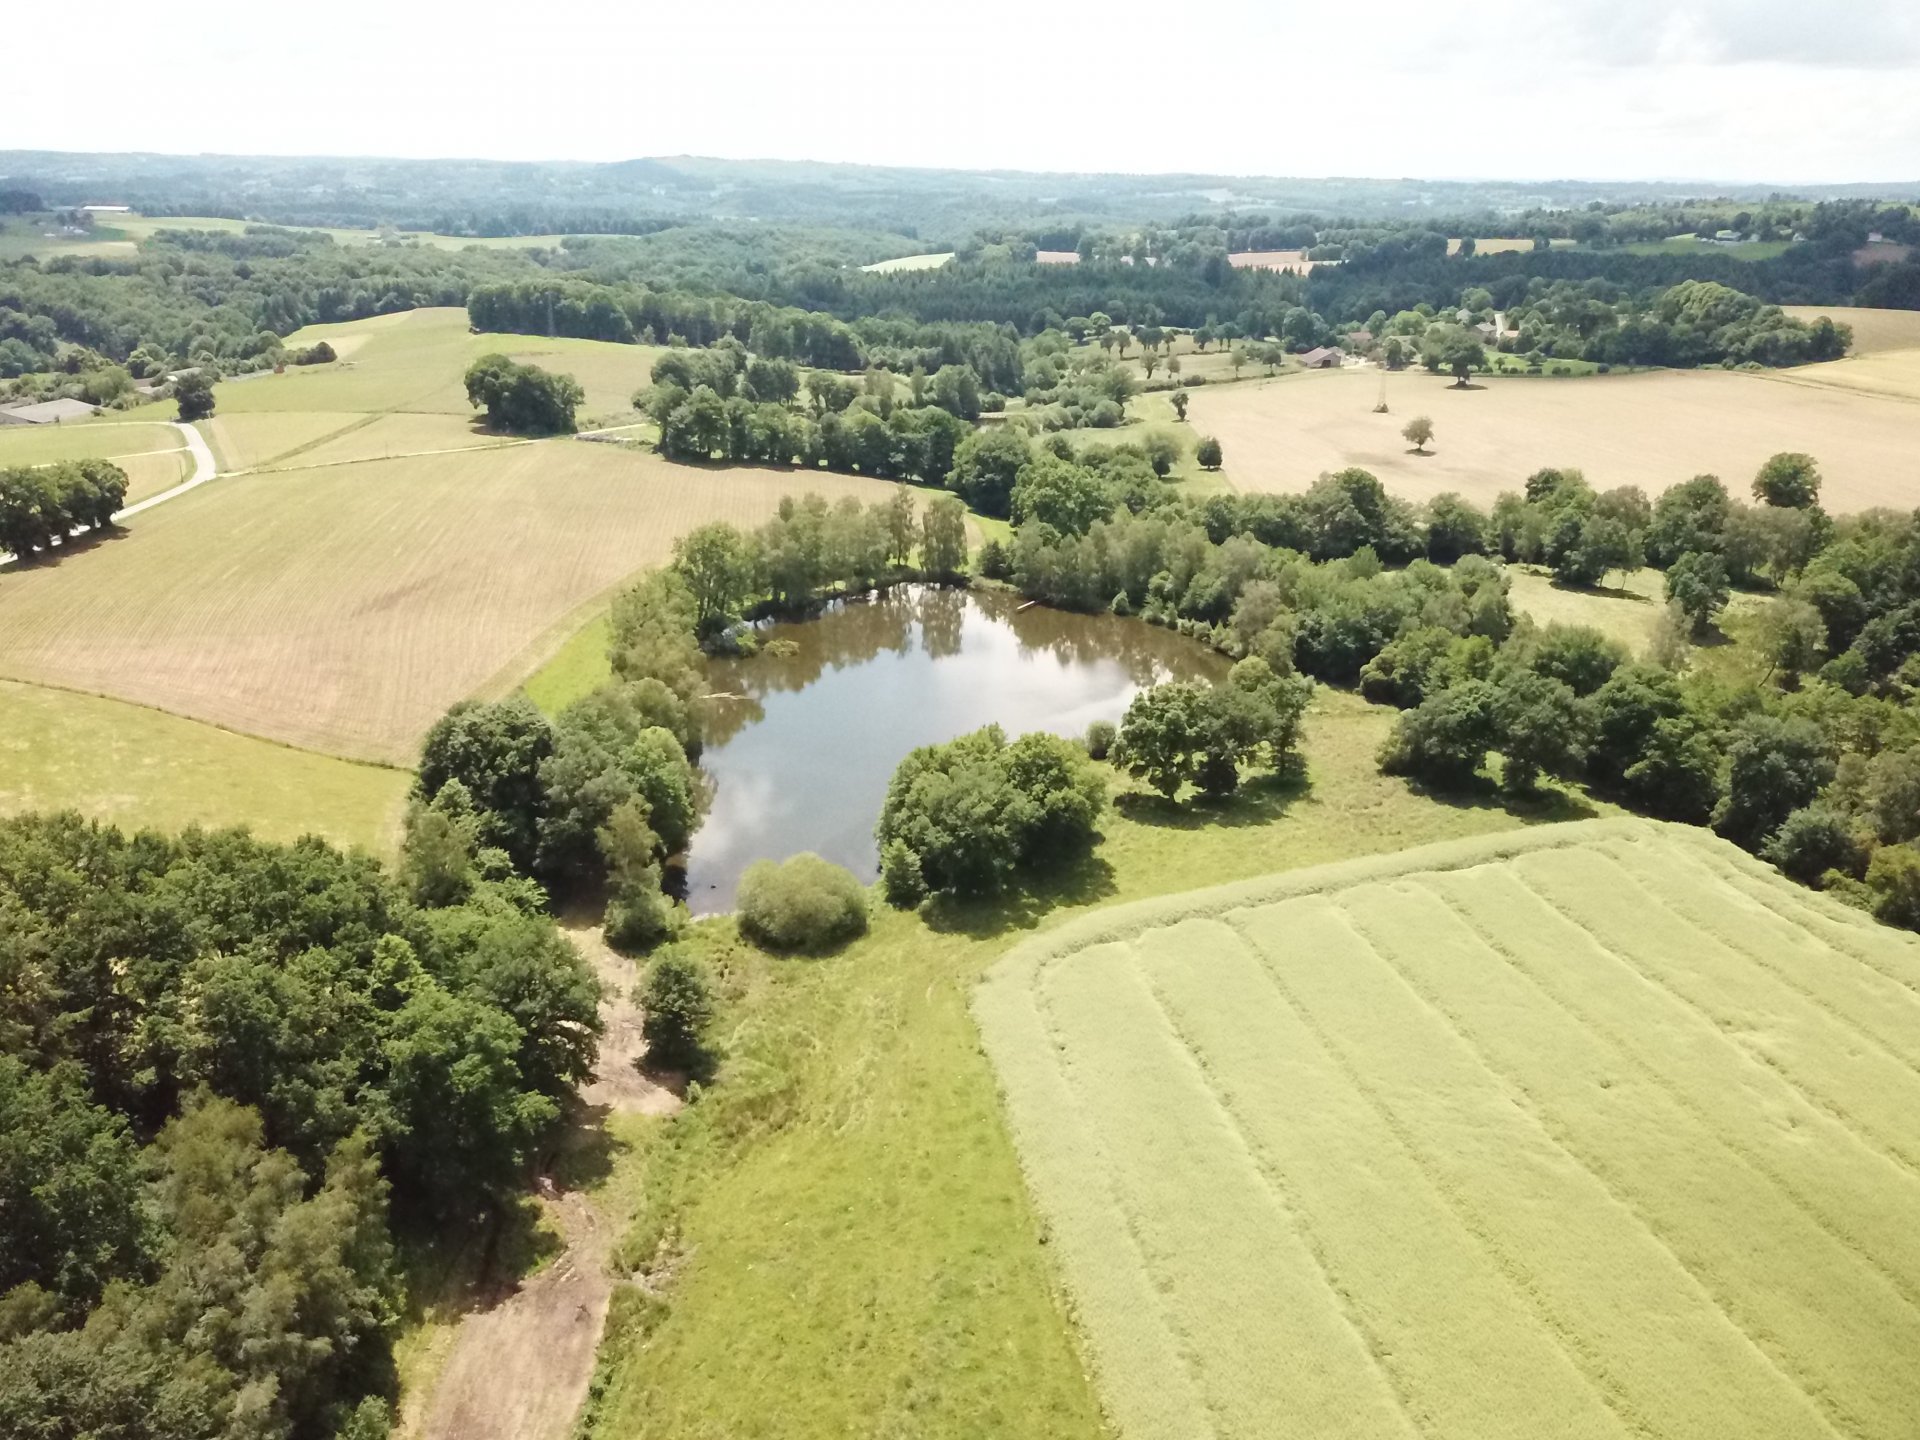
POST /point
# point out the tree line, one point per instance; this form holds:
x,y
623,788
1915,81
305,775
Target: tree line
x,y
227,1062
41,506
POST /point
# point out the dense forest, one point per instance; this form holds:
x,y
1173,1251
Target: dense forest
x,y
230,1073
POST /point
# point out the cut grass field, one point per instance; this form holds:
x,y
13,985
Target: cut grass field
x,y
345,608
852,1249
1651,430
137,767
1692,246
1605,1130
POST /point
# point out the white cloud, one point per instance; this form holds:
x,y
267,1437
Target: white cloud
x,y
1739,90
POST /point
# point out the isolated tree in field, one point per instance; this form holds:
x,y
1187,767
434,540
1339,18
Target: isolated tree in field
x,y
1122,338
522,399
1237,357
193,393
1180,403
1208,453
1149,361
1788,480
1417,432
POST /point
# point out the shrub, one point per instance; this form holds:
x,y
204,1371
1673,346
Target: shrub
x,y
803,903
1100,736
1893,883
677,1002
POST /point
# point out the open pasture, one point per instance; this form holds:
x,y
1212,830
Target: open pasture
x,y
136,767
344,608
153,455
1651,430
1604,1130
415,362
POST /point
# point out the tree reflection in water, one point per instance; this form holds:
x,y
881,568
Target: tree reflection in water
x,y
801,752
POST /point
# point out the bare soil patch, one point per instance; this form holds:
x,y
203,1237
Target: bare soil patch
x,y
521,1359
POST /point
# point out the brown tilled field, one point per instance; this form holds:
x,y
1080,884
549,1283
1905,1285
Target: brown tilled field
x,y
345,608
1651,430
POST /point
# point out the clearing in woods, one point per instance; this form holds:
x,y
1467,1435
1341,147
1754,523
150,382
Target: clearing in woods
x,y
1652,430
1601,1131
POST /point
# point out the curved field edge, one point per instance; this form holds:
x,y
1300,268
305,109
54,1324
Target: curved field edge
x,y
1236,1106
138,766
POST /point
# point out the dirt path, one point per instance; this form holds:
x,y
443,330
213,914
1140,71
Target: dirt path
x,y
521,1363
205,468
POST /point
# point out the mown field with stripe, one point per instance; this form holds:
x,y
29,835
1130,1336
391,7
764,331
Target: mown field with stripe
x,y
1604,1130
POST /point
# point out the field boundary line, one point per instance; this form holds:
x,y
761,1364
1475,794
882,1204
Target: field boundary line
x,y
1609,1033
11,678
1181,1342
1811,1094
1557,1135
1591,1367
1281,1193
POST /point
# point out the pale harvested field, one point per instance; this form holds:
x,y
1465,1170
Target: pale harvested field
x,y
1294,260
1603,1130
1873,330
345,608
909,262
1651,430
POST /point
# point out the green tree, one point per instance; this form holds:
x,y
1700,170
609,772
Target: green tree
x,y
1444,740
677,1002
1537,725
1417,432
721,571
985,467
1697,583
1788,479
495,751
1208,454
1774,767
943,538
522,399
1179,400
193,394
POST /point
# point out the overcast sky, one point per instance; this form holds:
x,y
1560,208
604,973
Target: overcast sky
x,y
1737,90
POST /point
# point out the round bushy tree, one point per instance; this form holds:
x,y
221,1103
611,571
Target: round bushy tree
x,y
803,903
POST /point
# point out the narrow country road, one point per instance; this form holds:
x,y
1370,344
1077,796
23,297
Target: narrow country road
x,y
204,469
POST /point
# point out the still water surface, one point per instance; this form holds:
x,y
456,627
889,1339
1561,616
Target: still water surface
x,y
800,760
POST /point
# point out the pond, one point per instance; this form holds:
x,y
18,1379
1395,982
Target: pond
x,y
801,751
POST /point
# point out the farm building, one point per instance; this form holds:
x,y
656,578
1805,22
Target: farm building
x,y
47,412
1323,358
